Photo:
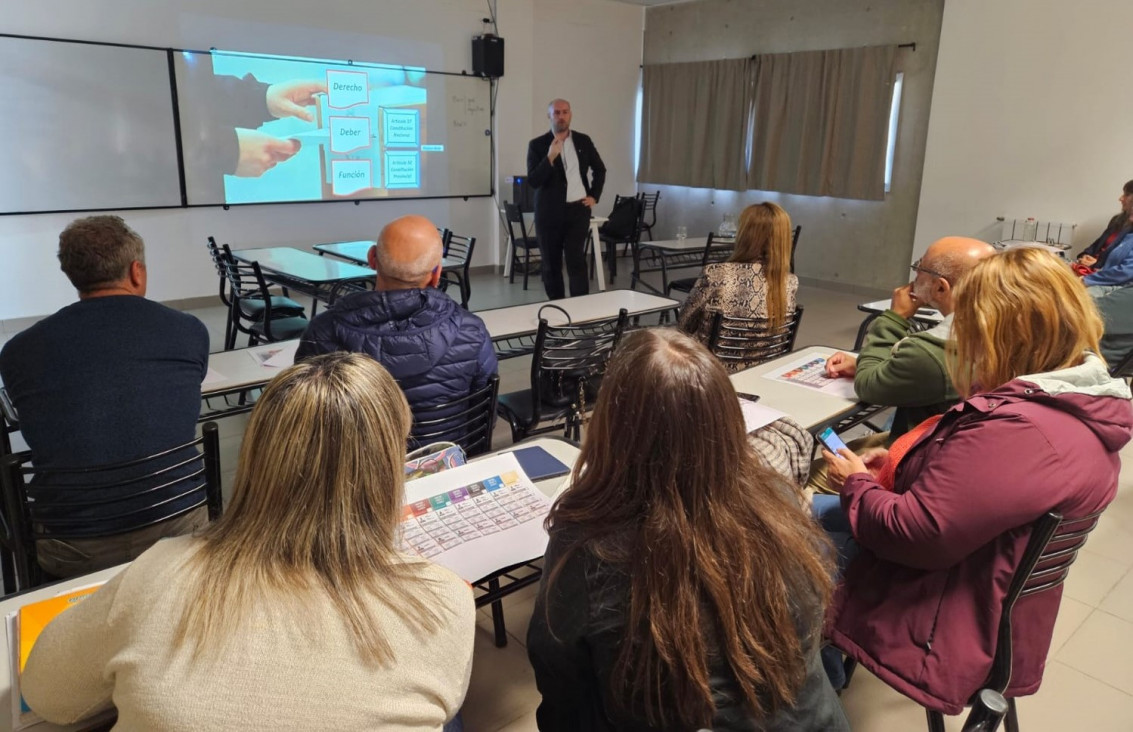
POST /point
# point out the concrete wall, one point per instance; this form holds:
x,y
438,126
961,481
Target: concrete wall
x,y
588,52
857,245
1030,117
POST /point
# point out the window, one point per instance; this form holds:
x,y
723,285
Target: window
x,y
894,115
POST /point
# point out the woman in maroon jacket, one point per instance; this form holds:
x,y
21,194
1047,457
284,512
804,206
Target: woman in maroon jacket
x,y
1040,429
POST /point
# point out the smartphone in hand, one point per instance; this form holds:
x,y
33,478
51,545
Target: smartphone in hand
x,y
832,441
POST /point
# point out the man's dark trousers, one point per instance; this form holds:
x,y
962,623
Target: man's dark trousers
x,y
564,237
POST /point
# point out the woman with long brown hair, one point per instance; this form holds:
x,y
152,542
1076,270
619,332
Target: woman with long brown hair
x,y
684,585
1040,429
756,282
294,611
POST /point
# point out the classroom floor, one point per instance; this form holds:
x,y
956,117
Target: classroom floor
x,y
1089,678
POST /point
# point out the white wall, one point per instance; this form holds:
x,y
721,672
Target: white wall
x,y
588,52
1031,116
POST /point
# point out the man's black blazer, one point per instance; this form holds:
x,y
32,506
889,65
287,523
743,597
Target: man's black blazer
x,y
549,181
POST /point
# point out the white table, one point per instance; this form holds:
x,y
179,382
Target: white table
x,y
561,449
812,409
231,372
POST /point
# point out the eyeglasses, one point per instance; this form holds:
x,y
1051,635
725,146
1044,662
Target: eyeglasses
x,y
916,267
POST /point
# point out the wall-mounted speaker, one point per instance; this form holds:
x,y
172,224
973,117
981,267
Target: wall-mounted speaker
x,y
488,56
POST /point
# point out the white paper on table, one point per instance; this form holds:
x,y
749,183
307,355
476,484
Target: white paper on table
x,y
284,357
477,518
213,376
281,356
810,373
757,415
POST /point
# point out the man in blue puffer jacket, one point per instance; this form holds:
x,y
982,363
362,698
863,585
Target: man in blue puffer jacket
x,y
437,350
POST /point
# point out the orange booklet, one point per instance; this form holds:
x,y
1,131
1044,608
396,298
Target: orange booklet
x,y
35,616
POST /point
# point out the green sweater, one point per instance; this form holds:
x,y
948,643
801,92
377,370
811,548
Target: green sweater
x,y
903,370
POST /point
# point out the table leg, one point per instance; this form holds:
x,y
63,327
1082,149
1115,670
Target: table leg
x,y
598,265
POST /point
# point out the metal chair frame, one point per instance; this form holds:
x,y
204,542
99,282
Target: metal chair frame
x,y
514,216
24,526
467,421
746,342
459,249
568,359
248,284
649,206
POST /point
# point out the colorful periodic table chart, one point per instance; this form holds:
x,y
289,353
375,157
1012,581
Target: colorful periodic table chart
x,y
475,519
810,372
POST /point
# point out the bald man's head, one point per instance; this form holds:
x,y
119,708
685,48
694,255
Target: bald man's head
x,y
942,266
408,254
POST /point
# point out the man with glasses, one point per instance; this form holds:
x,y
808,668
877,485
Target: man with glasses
x,y
437,350
900,368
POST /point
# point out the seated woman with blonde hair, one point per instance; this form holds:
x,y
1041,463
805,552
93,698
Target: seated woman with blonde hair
x,y
756,282
684,585
294,611
1039,429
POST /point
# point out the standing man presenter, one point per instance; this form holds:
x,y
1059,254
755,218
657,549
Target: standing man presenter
x,y
564,168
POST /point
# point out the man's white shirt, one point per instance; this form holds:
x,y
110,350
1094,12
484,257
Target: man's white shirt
x,y
576,191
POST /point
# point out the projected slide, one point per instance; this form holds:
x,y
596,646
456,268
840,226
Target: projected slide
x,y
262,129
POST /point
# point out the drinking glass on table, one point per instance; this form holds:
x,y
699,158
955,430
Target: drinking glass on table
x,y
682,233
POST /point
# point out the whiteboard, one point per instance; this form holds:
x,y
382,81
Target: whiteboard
x,y
85,127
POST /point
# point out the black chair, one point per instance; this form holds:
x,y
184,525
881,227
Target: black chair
x,y
195,478
523,241
251,308
467,421
1050,551
795,244
743,342
1122,368
249,294
649,207
567,365
622,227
11,422
458,256
685,284
988,711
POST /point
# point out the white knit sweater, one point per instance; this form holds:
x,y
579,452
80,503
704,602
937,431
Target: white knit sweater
x,y
294,669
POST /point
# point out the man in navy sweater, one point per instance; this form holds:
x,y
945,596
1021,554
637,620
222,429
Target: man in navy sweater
x,y
110,378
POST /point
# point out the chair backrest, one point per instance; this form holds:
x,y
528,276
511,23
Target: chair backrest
x,y
1122,368
246,280
467,421
58,503
570,358
743,342
11,422
795,243
649,205
460,248
624,224
1051,549
217,257
514,217
446,234
712,256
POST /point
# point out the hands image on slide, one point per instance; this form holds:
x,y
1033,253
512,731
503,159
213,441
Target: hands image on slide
x,y
291,98
260,152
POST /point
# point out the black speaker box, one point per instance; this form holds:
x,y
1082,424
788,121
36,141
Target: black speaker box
x,y
488,56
